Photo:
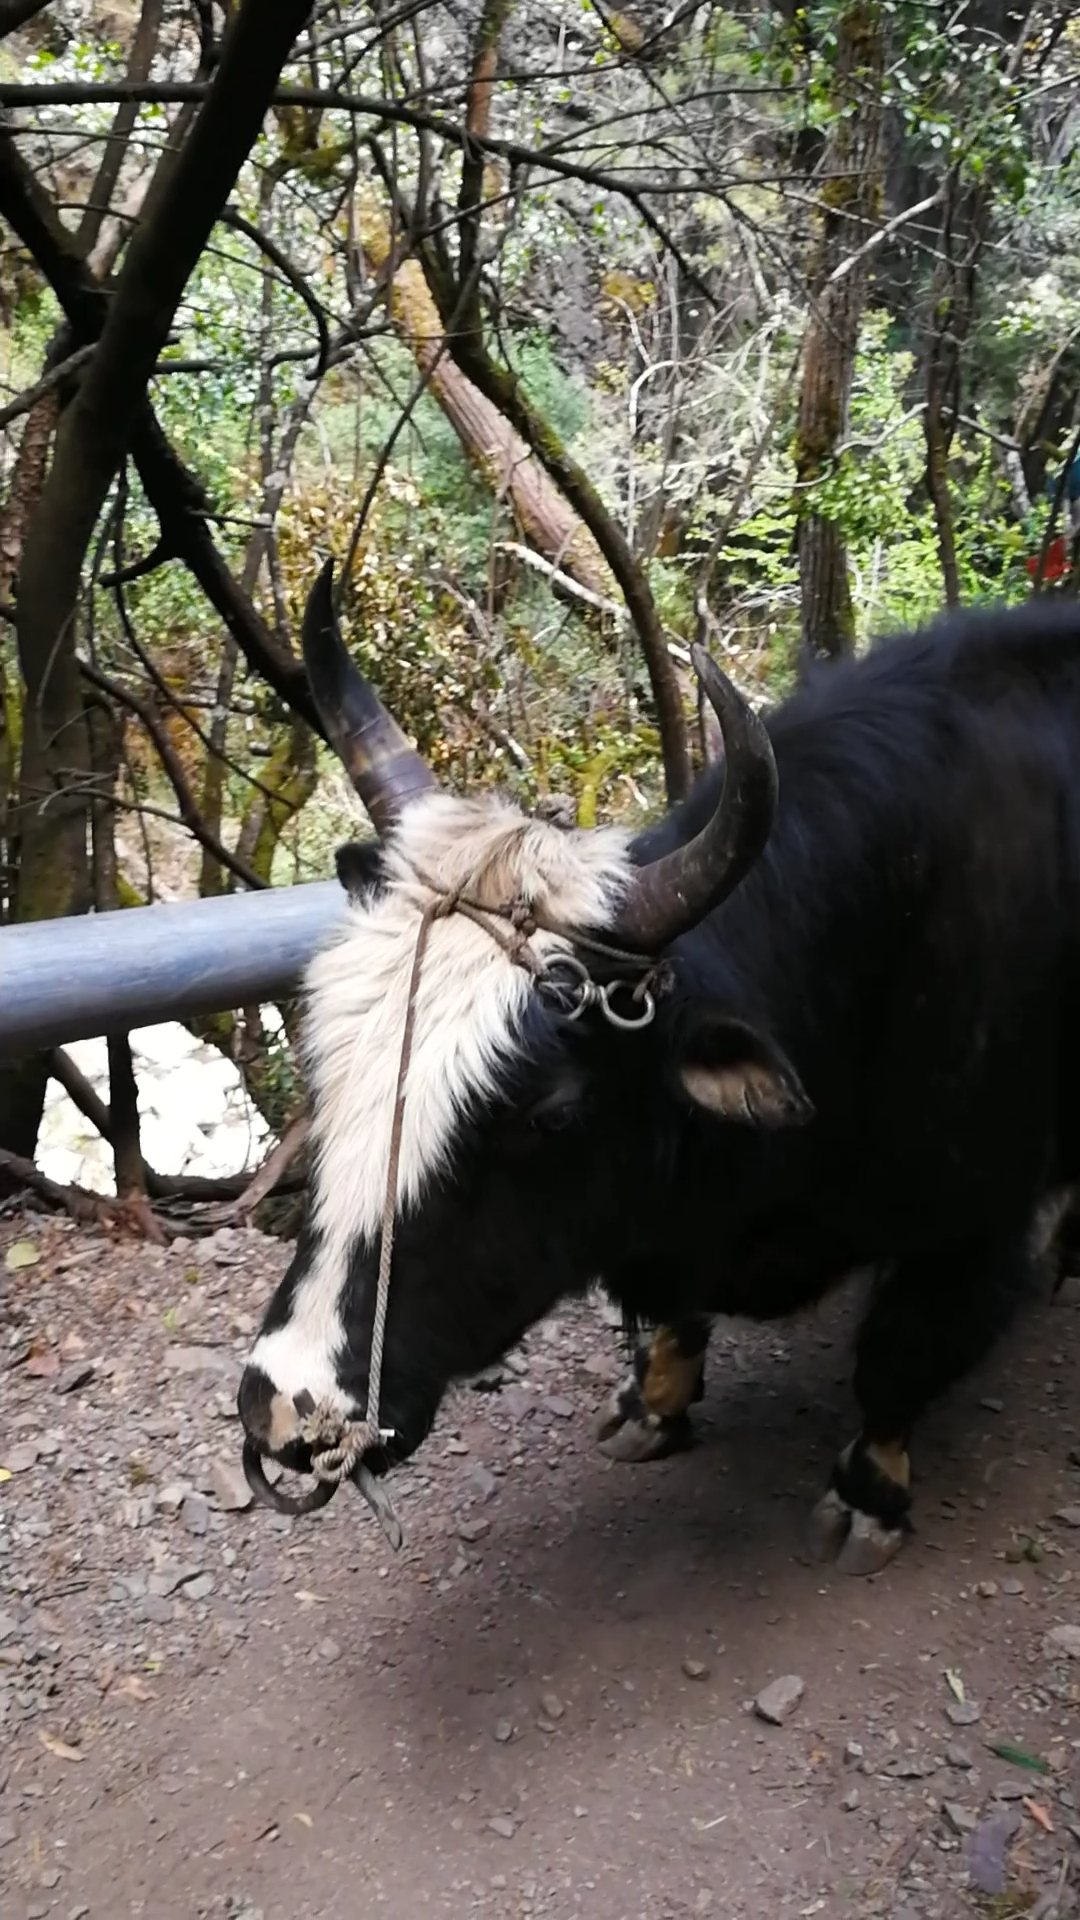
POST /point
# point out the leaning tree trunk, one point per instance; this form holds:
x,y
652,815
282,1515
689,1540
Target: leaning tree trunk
x,y
851,197
546,520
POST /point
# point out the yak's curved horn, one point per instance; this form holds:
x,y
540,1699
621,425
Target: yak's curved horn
x,y
379,1501
385,770
271,1496
671,894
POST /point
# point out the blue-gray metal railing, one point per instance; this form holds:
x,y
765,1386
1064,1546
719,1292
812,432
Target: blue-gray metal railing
x,y
64,980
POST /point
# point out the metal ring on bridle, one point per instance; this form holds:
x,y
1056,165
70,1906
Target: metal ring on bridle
x,y
570,995
640,998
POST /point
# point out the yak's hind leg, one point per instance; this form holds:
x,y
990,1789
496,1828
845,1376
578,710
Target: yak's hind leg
x,y
931,1317
647,1416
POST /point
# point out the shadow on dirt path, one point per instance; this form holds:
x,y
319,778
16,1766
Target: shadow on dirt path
x,y
544,1704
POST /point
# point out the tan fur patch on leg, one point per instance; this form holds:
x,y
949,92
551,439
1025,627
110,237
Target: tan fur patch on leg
x,y
671,1378
890,1457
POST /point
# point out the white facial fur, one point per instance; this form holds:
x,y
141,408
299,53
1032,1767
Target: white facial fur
x,y
468,1010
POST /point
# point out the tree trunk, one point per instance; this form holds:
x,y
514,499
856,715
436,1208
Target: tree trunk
x,y
27,481
546,520
187,194
952,305
851,194
48,824
106,745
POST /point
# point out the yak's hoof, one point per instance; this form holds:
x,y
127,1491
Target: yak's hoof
x,y
626,1432
869,1545
830,1524
858,1543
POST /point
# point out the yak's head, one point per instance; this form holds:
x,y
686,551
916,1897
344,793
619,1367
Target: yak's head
x,y
518,1173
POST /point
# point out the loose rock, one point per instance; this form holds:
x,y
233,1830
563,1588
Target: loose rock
x,y
963,1713
166,1579
473,1529
1068,1516
199,1360
910,1766
778,1701
960,1818
195,1513
1062,1640
552,1706
488,1380
482,1481
21,1459
501,1825
77,1376
231,1490
503,1730
695,1669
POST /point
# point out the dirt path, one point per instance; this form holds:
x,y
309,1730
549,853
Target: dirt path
x,y
542,1705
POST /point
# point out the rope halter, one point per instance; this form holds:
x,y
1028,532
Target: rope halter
x,y
568,989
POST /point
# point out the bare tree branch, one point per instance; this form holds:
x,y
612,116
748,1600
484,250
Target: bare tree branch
x,y
48,381
175,495
178,780
143,48
296,280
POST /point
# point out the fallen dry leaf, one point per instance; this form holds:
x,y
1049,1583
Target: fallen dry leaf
x,y
1039,1815
59,1747
21,1253
136,1689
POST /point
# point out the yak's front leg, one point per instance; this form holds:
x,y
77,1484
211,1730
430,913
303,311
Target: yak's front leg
x,y
648,1415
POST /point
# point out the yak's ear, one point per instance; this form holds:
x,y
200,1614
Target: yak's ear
x,y
739,1073
359,866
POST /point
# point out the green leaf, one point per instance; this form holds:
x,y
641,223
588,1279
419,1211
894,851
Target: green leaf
x,y
1018,1757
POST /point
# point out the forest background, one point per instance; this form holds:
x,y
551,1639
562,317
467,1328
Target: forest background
x,y
575,333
